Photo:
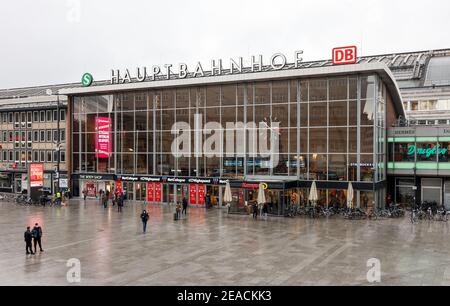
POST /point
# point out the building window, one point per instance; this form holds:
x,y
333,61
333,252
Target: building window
x,y
5,156
55,115
5,117
55,135
42,153
55,156
36,156
62,113
62,135
42,116
36,136
29,156
35,116
49,116
17,156
10,117
63,157
49,156
42,138
49,135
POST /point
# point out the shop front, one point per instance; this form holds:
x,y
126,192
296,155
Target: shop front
x,y
419,165
92,185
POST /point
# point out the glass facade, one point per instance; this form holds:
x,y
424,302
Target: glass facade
x,y
329,129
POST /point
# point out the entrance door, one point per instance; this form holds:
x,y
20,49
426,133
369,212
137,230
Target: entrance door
x,y
141,191
432,190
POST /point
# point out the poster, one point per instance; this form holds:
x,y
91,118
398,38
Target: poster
x,y
119,186
91,190
192,194
150,192
201,194
103,137
158,192
36,175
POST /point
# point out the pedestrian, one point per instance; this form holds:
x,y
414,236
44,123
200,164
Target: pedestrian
x,y
265,210
185,205
37,236
120,204
255,210
28,237
144,217
178,209
104,200
84,194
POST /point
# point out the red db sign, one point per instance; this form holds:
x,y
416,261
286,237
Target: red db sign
x,y
344,55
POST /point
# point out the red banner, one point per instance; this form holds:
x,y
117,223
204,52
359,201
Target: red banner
x,y
103,137
192,194
201,194
150,191
158,192
36,175
119,186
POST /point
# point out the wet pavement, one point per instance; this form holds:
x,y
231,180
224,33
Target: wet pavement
x,y
213,248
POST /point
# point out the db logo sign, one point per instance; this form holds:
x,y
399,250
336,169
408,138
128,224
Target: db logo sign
x,y
344,55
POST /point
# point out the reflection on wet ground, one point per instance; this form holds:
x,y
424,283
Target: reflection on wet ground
x,y
212,248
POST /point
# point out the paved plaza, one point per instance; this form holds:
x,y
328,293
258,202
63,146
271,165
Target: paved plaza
x,y
213,248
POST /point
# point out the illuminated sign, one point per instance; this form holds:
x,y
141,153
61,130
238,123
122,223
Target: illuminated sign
x,y
427,151
36,175
103,137
344,55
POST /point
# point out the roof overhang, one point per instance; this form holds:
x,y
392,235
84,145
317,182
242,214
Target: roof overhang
x,y
379,68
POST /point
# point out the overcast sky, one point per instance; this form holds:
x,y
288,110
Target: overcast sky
x,y
56,41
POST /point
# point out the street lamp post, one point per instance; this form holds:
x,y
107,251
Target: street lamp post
x,y
58,140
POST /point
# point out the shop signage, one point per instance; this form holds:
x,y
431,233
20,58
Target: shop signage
x,y
150,192
249,186
278,61
427,151
36,175
174,180
105,177
63,183
344,55
103,137
409,132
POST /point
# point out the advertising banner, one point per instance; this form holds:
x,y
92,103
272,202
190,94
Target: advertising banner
x,y
103,137
158,192
150,192
36,175
201,194
192,194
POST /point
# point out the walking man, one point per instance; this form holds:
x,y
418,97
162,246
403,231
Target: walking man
x,y
144,218
119,204
37,235
255,210
28,237
185,204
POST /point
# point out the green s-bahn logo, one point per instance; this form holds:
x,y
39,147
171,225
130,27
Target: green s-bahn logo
x,y
87,79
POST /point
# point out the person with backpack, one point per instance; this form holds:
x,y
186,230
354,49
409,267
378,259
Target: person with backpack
x,y
144,217
37,235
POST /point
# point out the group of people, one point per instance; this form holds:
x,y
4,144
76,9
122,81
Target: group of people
x,y
255,210
181,208
34,236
